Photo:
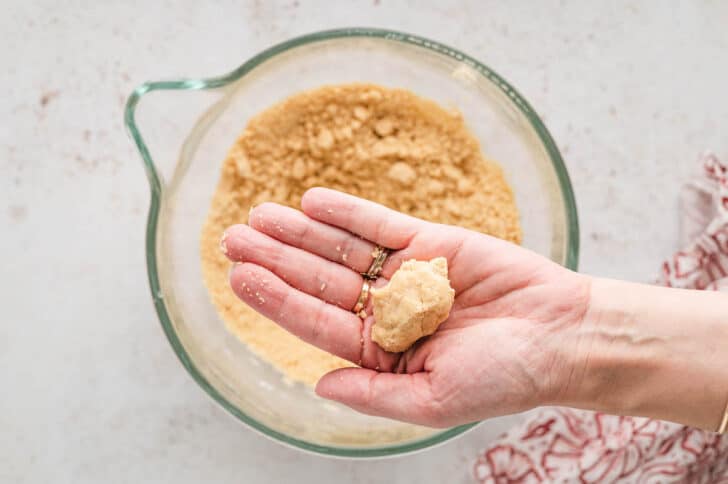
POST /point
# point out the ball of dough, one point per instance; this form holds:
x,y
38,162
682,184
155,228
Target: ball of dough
x,y
416,300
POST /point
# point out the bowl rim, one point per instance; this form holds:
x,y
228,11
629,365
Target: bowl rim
x,y
156,189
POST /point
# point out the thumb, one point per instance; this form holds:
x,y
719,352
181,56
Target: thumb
x,y
405,397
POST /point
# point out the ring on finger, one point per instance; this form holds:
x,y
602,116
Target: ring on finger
x,y
362,301
380,255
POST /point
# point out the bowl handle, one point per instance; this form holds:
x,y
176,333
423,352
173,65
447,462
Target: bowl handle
x,y
165,121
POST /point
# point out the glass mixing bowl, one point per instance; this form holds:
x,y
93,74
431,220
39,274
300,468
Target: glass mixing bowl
x,y
183,130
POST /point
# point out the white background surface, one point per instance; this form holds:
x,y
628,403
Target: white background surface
x,y
90,390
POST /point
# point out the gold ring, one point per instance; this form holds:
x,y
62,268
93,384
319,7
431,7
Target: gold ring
x,y
362,301
380,255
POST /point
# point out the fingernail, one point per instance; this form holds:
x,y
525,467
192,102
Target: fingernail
x,y
223,245
232,268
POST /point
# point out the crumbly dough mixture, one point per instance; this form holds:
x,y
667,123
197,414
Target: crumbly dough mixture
x,y
386,145
416,300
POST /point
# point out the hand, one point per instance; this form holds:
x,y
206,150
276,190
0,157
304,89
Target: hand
x,y
499,352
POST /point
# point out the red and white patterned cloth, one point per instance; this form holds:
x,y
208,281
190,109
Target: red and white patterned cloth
x,y
565,445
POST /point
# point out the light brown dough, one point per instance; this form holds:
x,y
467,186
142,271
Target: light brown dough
x,y
416,300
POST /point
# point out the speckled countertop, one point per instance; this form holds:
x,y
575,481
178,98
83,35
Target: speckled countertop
x,y
91,391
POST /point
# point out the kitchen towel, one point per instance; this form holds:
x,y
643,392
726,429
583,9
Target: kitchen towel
x,y
566,445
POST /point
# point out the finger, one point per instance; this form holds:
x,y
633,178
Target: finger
x,y
405,397
370,220
325,326
294,228
307,272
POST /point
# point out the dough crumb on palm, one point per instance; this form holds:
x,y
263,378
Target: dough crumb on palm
x,y
417,299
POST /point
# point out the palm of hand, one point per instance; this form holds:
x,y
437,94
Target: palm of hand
x,y
491,357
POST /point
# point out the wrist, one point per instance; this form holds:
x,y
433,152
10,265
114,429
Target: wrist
x,y
649,351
